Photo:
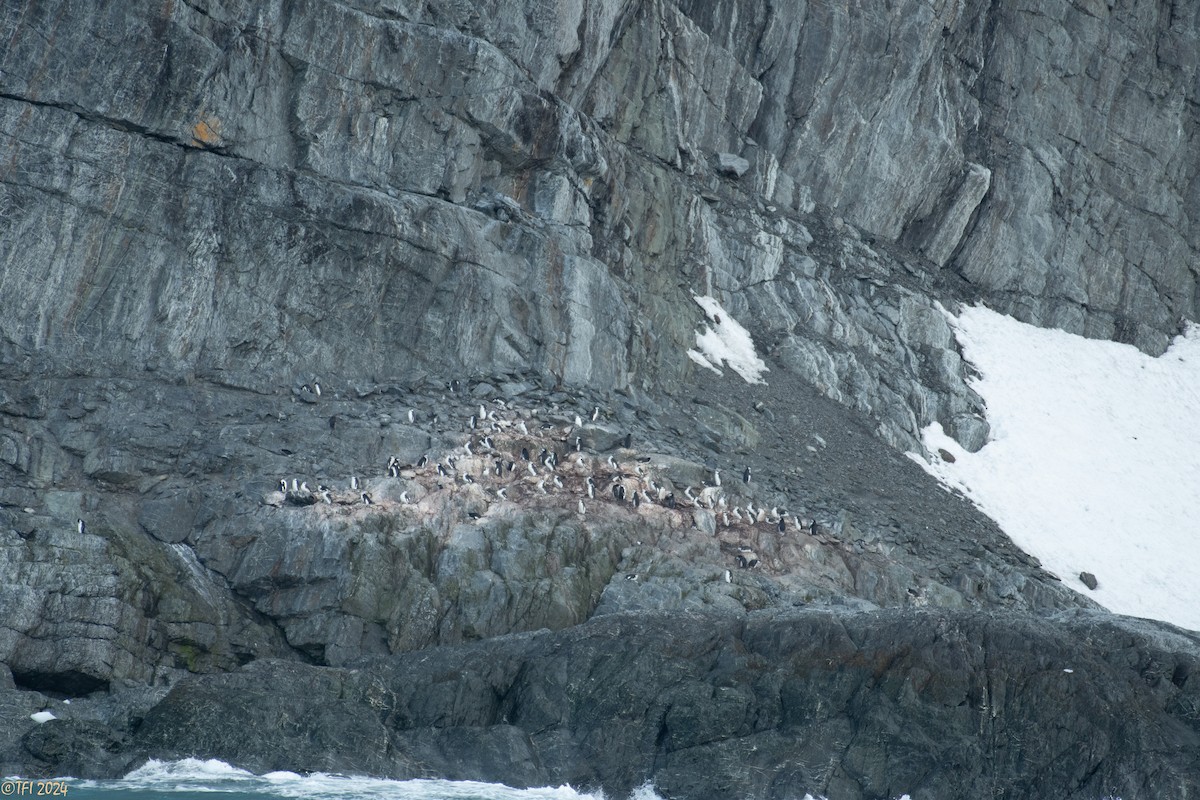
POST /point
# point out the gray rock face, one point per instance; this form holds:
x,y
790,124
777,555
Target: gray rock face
x,y
515,204
259,143
731,164
1101,252
942,239
894,116
365,216
82,611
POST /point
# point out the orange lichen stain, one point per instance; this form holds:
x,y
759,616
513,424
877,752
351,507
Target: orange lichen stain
x,y
206,132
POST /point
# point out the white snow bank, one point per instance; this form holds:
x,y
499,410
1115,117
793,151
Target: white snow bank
x,y
1094,460
726,343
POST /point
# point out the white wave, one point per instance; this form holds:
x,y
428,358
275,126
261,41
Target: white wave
x,y
213,776
195,776
188,768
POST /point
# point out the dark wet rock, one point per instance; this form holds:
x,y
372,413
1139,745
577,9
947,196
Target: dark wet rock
x,y
836,703
1088,580
80,748
88,737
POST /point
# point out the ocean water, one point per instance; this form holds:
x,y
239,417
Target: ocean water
x,y
193,779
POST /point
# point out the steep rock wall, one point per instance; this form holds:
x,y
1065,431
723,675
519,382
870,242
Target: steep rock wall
x,y
292,189
1043,150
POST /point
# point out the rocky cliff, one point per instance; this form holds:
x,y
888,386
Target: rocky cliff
x,y
252,242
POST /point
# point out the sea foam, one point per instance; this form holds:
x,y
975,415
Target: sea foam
x,y
194,776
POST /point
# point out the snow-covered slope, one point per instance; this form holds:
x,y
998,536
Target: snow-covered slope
x,y
1094,459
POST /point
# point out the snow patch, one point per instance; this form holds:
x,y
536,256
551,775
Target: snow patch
x,y
1094,459
724,342
42,716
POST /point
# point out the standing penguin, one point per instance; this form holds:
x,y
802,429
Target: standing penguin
x,y
746,476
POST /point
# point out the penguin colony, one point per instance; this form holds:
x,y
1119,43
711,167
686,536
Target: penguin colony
x,y
512,453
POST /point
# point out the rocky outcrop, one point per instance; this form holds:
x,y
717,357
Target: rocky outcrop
x,y
302,237
192,560
773,704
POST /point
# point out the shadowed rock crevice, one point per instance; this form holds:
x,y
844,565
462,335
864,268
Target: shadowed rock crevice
x,y
67,683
